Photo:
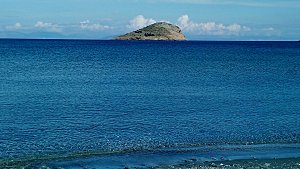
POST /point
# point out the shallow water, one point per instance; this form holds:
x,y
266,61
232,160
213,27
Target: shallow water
x,y
61,96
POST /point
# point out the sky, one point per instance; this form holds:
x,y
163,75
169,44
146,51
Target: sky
x,y
105,19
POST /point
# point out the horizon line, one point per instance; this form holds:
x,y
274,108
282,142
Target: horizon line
x,y
82,39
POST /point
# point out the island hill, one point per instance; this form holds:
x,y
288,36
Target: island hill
x,y
156,31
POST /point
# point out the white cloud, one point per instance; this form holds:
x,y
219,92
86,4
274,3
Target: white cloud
x,y
87,25
50,27
183,21
139,22
210,28
246,29
268,29
16,26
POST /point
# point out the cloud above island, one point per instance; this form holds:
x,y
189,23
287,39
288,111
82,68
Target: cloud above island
x,y
210,28
139,22
191,27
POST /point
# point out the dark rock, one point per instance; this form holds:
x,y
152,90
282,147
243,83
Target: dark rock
x,y
213,165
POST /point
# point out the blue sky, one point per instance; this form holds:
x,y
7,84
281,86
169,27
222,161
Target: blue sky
x,y
199,19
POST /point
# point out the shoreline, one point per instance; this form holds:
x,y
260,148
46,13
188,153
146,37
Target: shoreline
x,y
227,156
280,163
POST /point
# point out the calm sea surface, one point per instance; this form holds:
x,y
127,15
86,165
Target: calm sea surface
x,y
61,96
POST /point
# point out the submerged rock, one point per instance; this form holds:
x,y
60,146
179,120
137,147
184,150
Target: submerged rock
x,y
156,31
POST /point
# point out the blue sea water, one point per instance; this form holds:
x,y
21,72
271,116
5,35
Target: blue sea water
x,y
62,96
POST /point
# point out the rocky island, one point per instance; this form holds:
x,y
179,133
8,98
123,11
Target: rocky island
x,y
156,31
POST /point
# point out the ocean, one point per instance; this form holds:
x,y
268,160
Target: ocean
x,y
62,97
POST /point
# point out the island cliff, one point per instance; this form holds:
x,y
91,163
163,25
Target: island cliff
x,y
156,31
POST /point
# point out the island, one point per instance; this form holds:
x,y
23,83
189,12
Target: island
x,y
156,31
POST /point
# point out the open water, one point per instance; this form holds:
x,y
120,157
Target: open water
x,y
64,96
